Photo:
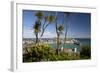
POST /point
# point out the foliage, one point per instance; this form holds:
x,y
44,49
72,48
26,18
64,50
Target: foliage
x,y
37,26
60,29
51,18
43,52
85,52
39,15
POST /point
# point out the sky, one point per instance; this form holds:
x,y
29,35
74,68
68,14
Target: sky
x,y
79,24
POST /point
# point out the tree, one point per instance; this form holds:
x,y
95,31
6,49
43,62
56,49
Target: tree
x,y
47,20
85,52
42,23
66,16
37,27
39,15
59,31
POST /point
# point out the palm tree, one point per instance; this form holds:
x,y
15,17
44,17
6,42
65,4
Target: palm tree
x,y
60,28
56,27
39,15
36,28
37,25
59,31
47,20
66,16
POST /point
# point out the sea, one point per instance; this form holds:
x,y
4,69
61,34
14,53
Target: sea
x,y
83,41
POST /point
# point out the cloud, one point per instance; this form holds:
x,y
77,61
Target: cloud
x,y
49,34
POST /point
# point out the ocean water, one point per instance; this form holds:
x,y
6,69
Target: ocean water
x,y
84,42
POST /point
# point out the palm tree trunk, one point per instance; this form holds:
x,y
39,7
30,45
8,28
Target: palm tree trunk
x,y
57,49
58,44
42,32
65,34
36,39
44,29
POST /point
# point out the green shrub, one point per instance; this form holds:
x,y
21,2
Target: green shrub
x,y
43,52
40,52
85,52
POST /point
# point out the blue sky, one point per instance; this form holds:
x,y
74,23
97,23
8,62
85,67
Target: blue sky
x,y
79,25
